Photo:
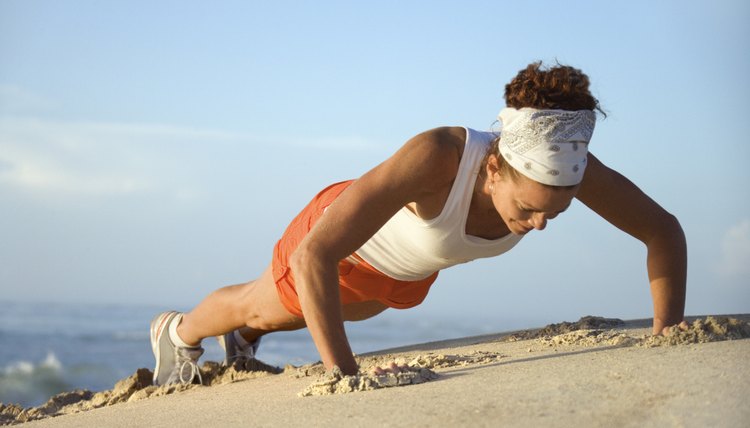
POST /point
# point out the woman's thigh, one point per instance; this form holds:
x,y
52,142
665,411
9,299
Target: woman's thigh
x,y
266,312
263,308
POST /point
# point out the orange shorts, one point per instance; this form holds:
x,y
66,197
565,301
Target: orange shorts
x,y
358,282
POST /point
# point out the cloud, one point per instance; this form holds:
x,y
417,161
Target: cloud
x,y
352,143
735,250
101,158
17,100
85,158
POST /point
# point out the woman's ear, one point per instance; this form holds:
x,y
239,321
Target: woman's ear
x,y
492,167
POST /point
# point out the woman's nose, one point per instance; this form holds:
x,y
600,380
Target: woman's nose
x,y
538,221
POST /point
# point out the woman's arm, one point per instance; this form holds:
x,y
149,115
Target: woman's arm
x,y
421,169
623,204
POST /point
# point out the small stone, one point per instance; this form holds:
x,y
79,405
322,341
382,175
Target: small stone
x,y
57,402
142,394
100,398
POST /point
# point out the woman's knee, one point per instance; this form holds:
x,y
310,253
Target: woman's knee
x,y
263,309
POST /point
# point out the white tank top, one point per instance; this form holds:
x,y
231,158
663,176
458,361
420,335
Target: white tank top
x,y
409,248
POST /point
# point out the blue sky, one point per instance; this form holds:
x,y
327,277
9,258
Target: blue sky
x,y
154,151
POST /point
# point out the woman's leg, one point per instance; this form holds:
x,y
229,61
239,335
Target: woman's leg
x,y
352,312
255,309
255,305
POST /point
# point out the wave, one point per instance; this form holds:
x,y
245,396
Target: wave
x,y
30,384
33,383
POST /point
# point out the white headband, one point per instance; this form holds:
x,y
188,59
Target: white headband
x,y
547,146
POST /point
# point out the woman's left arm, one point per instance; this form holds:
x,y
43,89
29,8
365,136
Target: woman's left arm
x,y
624,205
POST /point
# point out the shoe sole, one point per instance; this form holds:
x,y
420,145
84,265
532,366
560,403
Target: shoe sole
x,y
158,326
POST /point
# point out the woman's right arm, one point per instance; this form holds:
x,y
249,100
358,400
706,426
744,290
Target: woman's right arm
x,y
419,171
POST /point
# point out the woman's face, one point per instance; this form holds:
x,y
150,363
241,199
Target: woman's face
x,y
524,204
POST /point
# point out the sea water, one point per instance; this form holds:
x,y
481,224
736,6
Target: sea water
x,y
47,348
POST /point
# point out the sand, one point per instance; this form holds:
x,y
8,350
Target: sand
x,y
593,372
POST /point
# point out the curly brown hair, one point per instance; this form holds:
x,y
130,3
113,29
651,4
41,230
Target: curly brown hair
x,y
558,87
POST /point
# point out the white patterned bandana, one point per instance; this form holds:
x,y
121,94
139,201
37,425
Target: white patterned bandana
x,y
547,146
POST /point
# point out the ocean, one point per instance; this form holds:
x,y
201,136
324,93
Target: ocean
x,y
47,348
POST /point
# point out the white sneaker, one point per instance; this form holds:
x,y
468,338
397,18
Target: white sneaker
x,y
174,364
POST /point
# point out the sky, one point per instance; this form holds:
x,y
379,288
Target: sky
x,y
151,152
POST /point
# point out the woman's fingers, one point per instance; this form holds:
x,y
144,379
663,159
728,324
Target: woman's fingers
x,y
666,331
390,368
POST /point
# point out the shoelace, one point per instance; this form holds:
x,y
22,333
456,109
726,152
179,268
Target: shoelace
x,y
194,371
187,359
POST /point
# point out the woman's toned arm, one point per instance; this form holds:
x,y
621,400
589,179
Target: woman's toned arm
x,y
624,205
424,167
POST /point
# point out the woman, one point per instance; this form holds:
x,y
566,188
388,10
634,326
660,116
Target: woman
x,y
448,196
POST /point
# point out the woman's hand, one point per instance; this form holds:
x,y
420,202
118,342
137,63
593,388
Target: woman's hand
x,y
391,368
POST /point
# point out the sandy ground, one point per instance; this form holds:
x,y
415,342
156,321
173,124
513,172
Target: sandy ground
x,y
603,375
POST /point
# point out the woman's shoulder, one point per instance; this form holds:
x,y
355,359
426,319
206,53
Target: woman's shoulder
x,y
455,138
429,160
445,142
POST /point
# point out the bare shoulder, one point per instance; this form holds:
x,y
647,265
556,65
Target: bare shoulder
x,y
449,138
430,158
443,145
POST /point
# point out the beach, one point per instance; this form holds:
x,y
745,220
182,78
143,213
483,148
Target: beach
x,y
597,372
